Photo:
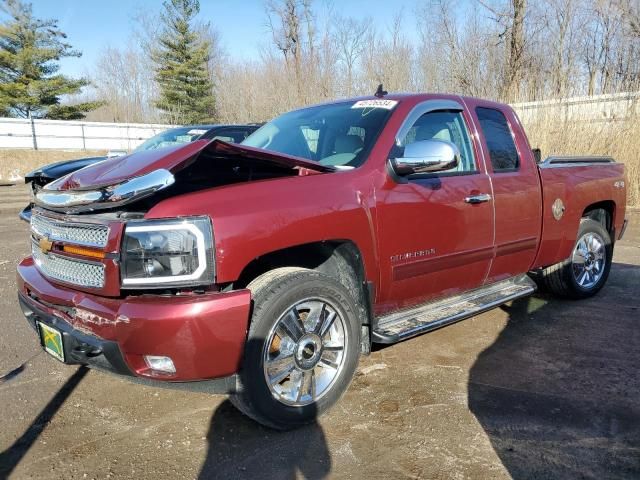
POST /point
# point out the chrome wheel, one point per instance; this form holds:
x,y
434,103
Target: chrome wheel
x,y
305,352
588,260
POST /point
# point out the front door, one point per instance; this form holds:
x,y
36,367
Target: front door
x,y
437,241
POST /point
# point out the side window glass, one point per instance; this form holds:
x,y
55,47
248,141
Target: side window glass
x,y
448,126
497,134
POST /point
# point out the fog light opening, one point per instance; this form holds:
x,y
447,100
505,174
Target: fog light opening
x,y
160,363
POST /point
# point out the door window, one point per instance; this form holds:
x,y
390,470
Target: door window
x,y
497,134
448,126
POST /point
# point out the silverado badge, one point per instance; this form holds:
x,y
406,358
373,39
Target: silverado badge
x,y
45,244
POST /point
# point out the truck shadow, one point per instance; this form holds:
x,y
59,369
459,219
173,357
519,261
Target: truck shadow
x,y
558,392
238,447
10,458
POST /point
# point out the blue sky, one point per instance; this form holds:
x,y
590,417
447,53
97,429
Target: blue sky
x,y
92,25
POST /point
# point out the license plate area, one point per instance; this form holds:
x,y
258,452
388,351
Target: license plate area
x,y
51,340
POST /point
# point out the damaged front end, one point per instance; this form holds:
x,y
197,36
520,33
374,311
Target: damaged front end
x,y
111,196
137,295
173,171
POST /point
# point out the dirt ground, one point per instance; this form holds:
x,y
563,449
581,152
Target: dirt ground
x,y
541,388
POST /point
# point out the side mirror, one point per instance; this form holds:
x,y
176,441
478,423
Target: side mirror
x,y
426,156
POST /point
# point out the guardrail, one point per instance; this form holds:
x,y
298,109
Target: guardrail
x,y
74,135
597,108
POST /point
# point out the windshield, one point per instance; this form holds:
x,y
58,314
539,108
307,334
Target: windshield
x,y
339,134
170,138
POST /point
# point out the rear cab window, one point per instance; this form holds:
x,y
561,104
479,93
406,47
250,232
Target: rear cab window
x,y
231,135
499,139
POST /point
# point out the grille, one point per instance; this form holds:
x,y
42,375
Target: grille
x,y
68,270
80,233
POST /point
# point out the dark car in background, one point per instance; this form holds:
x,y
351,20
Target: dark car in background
x,y
171,137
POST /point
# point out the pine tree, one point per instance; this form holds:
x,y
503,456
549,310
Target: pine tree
x,y
30,48
186,89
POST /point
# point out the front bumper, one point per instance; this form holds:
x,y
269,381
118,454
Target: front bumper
x,y
203,334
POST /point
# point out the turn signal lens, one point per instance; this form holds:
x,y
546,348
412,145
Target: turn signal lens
x,y
86,252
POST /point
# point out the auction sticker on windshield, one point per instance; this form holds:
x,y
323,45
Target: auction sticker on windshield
x,y
380,103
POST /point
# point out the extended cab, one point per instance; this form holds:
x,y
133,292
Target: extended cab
x,y
265,269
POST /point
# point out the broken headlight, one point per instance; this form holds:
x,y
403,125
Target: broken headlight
x,y
167,253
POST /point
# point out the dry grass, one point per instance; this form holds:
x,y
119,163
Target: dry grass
x,y
18,162
619,139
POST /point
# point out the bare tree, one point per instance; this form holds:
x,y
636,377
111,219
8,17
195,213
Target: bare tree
x,y
288,24
121,79
350,37
389,59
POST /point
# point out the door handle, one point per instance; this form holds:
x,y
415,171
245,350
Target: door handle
x,y
480,198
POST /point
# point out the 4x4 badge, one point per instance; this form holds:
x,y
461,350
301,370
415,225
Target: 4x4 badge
x,y
45,244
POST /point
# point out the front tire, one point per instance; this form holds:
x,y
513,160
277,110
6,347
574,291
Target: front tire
x,y
302,348
584,273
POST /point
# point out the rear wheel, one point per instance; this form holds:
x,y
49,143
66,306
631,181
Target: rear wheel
x,y
302,347
584,273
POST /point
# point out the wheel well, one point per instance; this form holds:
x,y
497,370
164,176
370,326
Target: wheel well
x,y
340,260
602,212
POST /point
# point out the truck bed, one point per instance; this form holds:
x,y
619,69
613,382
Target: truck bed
x,y
577,183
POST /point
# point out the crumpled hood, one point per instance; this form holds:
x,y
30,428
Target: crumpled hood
x,y
173,159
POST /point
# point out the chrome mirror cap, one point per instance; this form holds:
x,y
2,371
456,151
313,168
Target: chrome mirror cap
x,y
426,156
71,201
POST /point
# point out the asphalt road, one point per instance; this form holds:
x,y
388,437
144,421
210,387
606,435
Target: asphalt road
x,y
541,388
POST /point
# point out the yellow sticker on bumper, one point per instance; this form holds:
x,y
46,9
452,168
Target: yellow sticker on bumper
x,y
52,341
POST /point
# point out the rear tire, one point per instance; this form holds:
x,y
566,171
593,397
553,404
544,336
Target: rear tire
x,y
585,272
302,348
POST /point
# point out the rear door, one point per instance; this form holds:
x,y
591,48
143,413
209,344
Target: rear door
x,y
517,196
436,242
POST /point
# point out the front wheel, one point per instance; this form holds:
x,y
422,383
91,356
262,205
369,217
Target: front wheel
x,y
302,347
584,273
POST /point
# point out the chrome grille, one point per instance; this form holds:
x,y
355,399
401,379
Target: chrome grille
x,y
68,270
80,233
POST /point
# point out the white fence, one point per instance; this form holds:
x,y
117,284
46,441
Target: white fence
x,y
74,135
597,108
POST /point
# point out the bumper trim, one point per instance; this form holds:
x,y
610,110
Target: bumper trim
x,y
80,348
105,355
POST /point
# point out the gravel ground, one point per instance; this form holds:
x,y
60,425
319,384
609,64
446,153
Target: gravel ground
x,y
541,388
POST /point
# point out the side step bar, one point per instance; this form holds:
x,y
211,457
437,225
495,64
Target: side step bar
x,y
404,324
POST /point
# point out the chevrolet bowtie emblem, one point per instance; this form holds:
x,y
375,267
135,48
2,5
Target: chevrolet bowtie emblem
x,y
45,244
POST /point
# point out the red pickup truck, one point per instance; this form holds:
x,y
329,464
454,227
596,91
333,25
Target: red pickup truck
x,y
265,269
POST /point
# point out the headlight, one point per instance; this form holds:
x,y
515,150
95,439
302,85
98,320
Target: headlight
x,y
167,253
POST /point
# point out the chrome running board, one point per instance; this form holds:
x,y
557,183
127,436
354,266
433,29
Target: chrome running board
x,y
404,324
